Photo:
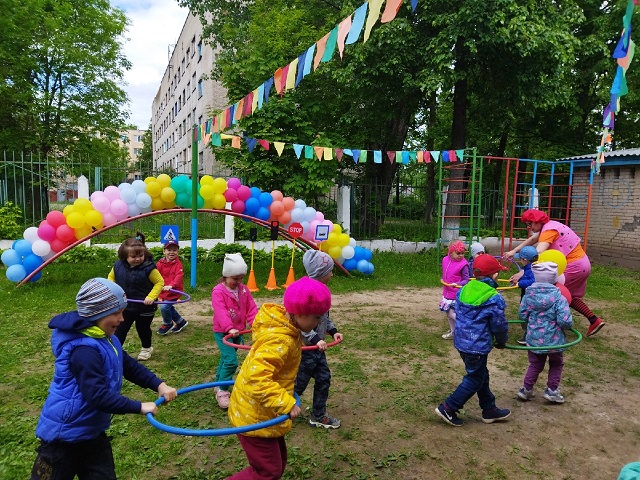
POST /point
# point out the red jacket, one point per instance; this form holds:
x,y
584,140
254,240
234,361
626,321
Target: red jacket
x,y
173,275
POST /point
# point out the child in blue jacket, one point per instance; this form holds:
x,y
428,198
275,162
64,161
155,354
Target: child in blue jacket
x,y
479,318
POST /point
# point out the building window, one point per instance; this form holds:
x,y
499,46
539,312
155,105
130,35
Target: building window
x,y
193,81
193,45
137,138
137,151
199,50
199,88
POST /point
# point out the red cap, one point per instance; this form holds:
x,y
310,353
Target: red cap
x,y
486,265
535,215
171,242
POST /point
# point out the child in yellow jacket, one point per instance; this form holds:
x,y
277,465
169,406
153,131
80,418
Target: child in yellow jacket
x,y
264,386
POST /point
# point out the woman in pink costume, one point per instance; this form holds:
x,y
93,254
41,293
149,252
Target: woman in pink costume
x,y
455,273
549,234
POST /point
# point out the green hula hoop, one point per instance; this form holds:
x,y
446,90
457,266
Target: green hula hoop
x,y
527,347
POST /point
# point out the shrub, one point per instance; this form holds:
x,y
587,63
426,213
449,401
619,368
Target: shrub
x,y
10,221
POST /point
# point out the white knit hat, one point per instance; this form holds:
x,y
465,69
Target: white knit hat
x,y
476,248
98,298
317,264
233,265
545,272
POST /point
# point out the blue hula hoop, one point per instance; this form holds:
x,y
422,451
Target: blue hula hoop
x,y
214,432
166,302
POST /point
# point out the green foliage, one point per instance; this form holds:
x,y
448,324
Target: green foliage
x,y
82,254
10,221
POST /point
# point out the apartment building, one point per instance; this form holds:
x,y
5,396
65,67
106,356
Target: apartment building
x,y
186,97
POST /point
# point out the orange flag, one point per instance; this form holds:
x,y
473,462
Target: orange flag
x,y
343,31
321,45
390,10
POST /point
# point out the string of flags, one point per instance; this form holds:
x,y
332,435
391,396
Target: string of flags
x,y
624,54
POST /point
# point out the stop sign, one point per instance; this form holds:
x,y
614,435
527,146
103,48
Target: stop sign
x,y
295,230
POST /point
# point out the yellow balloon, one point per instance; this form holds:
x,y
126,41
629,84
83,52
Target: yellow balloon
x,y
219,185
207,192
556,257
337,229
82,205
67,210
156,203
93,218
206,180
167,194
150,179
343,238
218,201
154,189
82,231
332,239
164,180
335,251
76,220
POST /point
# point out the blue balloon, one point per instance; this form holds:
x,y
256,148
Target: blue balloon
x,y
350,264
359,253
31,262
371,269
15,273
367,254
36,277
255,192
23,248
266,199
251,206
363,266
11,257
263,213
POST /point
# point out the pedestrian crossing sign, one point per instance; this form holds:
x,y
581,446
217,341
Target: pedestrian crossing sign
x,y
169,233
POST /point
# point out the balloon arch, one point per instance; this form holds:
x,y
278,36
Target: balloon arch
x,y
86,218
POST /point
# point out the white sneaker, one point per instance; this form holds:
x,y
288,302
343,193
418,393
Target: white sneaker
x,y
145,353
222,396
448,335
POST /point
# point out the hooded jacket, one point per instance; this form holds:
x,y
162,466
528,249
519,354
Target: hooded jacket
x,y
479,318
547,313
264,387
230,313
85,390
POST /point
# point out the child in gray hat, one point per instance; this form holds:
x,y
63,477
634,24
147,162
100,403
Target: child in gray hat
x,y
547,313
86,388
319,266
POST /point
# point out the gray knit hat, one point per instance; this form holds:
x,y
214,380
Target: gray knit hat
x,y
233,265
317,263
98,298
476,248
545,272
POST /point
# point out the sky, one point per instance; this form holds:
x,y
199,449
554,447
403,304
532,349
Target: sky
x,y
154,25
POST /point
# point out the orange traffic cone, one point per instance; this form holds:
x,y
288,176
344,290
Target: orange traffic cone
x,y
271,283
251,282
290,278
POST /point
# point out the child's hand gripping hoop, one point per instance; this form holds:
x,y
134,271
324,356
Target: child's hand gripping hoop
x,y
241,346
500,280
214,432
546,347
166,302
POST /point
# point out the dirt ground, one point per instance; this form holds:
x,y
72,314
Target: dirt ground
x,y
387,410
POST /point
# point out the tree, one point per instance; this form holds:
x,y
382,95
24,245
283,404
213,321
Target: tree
x,y
145,158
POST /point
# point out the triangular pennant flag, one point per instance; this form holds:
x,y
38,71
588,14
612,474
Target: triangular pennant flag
x,y
267,89
391,154
328,153
626,19
308,60
239,106
625,61
435,154
291,75
377,156
452,156
216,123
206,138
331,45
445,155
216,141
420,156
254,100
207,126
283,79
298,149
248,102
363,156
399,156
226,136
261,96
319,152
405,157
347,151
277,81
343,31
300,73
338,153
357,24
372,18
412,156
623,45
308,151
427,156
390,10
251,143
414,4
232,114
279,147
235,141
264,144
460,154
320,47
356,155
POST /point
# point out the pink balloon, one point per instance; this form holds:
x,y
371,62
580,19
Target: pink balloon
x,y
57,245
277,208
109,218
56,218
234,183
237,206
101,203
330,223
277,195
231,194
96,194
312,227
112,193
65,233
118,207
320,217
244,192
46,232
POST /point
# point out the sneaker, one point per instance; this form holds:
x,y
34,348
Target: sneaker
x,y
595,327
525,394
164,329
324,422
145,353
553,395
222,396
448,416
522,340
448,335
179,327
490,416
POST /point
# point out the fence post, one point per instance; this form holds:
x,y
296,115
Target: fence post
x,y
229,234
344,207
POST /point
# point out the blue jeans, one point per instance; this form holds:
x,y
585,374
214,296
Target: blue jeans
x,y
475,381
228,358
170,315
314,365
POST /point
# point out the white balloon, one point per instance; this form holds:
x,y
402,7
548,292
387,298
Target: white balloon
x,y
297,215
300,204
41,248
128,194
348,252
143,200
133,209
352,242
309,214
123,185
139,186
31,234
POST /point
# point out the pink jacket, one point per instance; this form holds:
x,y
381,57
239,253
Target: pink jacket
x,y
230,313
568,240
454,271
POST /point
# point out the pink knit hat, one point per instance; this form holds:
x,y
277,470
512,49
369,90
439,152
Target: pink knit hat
x,y
307,296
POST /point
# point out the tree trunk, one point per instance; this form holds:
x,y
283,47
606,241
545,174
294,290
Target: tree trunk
x,y
430,201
